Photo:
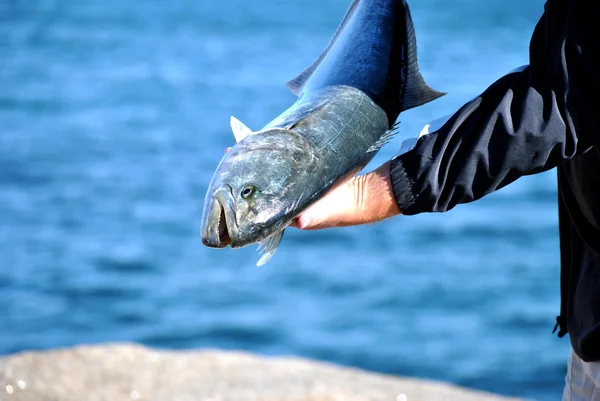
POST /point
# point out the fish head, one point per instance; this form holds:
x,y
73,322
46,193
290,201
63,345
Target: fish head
x,y
255,189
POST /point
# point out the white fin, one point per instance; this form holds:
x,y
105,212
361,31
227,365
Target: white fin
x,y
268,247
385,138
240,131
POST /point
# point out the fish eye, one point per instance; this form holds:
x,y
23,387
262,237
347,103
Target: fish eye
x,y
248,191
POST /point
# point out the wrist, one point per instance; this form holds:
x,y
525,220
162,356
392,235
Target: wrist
x,y
374,195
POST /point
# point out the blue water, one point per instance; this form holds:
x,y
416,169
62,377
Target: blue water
x,y
113,116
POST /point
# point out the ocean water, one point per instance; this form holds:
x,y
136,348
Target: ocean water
x,y
113,117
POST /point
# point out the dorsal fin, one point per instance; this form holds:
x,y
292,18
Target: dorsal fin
x,y
416,92
297,83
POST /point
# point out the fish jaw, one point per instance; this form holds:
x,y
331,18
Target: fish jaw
x,y
214,226
219,223
220,227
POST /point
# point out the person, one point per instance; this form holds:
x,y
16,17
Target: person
x,y
541,116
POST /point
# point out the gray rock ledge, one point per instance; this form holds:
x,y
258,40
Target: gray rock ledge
x,y
126,372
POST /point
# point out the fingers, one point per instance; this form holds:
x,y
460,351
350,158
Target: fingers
x,y
227,149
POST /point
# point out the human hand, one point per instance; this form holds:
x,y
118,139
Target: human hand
x,y
362,199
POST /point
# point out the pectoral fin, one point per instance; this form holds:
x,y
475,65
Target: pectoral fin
x,y
268,247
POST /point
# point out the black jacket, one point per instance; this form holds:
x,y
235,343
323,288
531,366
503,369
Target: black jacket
x,y
547,115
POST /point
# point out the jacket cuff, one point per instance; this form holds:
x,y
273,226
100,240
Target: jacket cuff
x,y
402,185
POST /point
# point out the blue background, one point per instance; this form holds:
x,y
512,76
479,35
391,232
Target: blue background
x,y
113,117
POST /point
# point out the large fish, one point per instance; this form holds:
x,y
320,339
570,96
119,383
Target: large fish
x,y
348,102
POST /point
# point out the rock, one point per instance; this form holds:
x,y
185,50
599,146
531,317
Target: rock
x,y
125,372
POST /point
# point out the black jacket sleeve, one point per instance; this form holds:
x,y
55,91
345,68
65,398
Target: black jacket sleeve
x,y
525,123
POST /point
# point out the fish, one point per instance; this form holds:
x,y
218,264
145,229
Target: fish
x,y
347,104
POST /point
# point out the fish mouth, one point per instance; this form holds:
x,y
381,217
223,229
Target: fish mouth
x,y
219,222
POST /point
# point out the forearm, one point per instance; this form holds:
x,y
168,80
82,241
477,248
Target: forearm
x,y
525,123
